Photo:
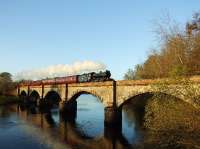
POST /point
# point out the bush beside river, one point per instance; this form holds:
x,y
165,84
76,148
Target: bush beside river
x,y
8,100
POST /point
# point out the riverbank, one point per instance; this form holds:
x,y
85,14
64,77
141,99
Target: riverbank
x,y
5,100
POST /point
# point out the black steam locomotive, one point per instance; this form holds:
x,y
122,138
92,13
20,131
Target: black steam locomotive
x,y
101,76
94,77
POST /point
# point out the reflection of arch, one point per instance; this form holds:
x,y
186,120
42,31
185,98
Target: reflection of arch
x,y
78,93
52,97
49,119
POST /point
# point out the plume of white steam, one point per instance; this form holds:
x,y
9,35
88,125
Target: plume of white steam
x,y
60,70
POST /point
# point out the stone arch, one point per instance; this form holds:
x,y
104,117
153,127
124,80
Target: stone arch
x,y
34,93
23,93
23,99
147,109
36,89
46,92
76,94
52,98
135,97
34,97
149,94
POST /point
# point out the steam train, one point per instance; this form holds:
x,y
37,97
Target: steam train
x,y
86,77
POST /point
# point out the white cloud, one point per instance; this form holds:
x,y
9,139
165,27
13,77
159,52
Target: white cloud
x,y
60,70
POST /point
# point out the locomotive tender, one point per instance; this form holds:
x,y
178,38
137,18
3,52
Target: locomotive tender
x,y
86,77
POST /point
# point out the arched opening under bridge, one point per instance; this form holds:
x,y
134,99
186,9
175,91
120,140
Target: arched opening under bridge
x,y
34,98
23,94
52,99
158,111
23,100
90,113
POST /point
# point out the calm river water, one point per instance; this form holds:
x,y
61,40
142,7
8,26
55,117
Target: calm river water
x,y
23,130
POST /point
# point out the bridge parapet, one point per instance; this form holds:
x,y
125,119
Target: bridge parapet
x,y
91,84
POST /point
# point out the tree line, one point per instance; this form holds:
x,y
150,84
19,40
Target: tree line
x,y
6,83
178,53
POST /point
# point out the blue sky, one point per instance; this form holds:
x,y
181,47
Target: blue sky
x,y
118,33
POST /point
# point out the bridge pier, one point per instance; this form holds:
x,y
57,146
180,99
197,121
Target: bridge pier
x,y
113,117
68,110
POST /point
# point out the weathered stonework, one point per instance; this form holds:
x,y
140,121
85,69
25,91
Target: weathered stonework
x,y
114,94
38,89
23,89
60,89
104,91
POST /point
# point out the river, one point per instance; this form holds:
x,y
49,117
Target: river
x,y
20,129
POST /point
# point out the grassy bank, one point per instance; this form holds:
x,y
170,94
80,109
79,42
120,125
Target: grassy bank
x,y
8,100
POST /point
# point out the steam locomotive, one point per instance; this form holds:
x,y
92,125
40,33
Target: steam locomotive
x,y
86,77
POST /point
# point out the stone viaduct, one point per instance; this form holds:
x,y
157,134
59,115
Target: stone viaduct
x,y
113,94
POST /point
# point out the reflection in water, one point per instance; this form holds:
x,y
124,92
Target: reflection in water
x,y
49,119
131,123
55,115
50,130
90,115
16,133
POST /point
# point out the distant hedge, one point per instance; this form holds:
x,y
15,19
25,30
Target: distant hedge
x,y
8,100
